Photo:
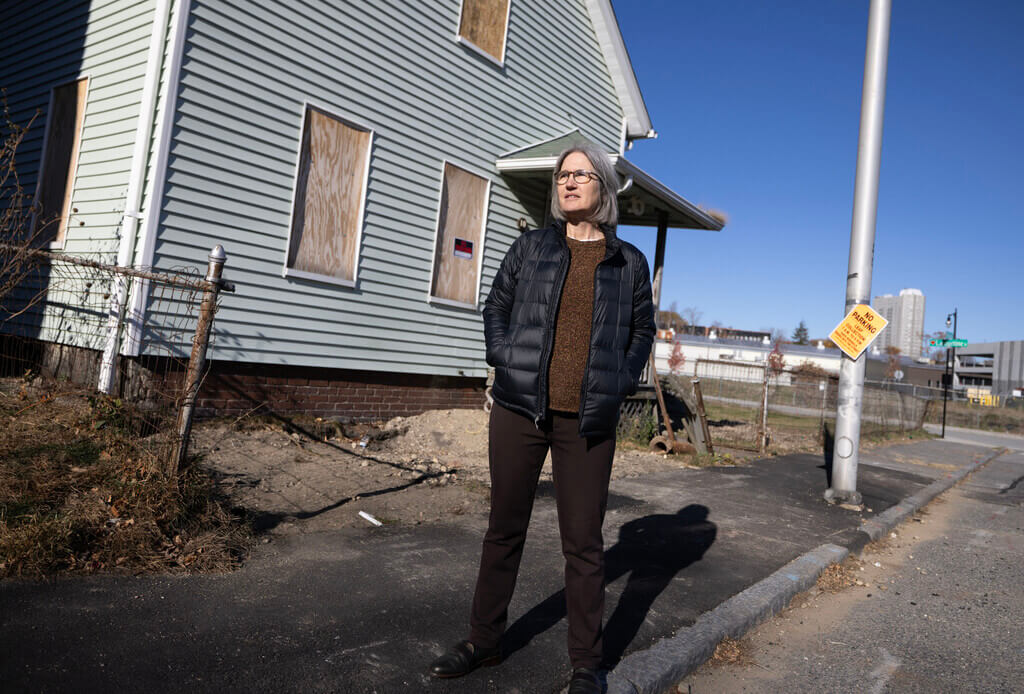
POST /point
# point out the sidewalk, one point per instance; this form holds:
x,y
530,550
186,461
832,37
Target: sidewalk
x,y
367,610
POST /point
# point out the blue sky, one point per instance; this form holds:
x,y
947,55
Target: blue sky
x,y
757,108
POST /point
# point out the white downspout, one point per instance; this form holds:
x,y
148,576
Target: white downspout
x,y
133,196
162,145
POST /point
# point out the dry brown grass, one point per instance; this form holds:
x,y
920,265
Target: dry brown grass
x,y
81,492
837,577
730,651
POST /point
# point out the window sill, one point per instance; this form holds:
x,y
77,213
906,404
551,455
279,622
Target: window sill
x,y
500,63
439,301
291,273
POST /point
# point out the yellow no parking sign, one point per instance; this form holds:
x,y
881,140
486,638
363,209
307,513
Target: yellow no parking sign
x,y
858,330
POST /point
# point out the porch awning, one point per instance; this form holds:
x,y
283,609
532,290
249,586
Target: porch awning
x,y
642,198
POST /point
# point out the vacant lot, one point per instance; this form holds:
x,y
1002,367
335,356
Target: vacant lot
x,y
83,488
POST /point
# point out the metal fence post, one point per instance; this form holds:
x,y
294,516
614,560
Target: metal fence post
x,y
197,360
762,416
705,432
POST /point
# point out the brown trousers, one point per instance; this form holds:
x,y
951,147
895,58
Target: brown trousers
x,y
581,469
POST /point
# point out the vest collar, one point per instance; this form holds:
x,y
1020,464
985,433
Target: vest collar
x,y
612,244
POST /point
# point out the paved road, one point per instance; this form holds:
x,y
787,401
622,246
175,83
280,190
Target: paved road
x,y
365,610
978,438
943,613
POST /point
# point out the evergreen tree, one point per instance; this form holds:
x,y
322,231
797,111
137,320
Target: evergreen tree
x,y
800,335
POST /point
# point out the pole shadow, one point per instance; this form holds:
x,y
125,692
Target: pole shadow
x,y
651,550
827,449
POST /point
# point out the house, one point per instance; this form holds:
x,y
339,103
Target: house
x,y
364,165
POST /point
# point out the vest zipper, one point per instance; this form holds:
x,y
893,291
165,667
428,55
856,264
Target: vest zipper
x,y
590,350
545,357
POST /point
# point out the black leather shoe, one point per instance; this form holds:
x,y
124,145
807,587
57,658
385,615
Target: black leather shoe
x,y
463,658
585,681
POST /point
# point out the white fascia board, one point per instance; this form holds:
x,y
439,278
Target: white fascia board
x,y
638,121
533,164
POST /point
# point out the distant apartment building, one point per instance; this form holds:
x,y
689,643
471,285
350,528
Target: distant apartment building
x,y
905,314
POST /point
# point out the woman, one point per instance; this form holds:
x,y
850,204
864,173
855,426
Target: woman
x,y
569,325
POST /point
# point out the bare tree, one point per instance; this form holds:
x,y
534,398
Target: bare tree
x,y
692,315
893,364
677,359
17,236
776,360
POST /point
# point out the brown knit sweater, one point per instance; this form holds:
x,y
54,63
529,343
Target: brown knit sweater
x,y
572,326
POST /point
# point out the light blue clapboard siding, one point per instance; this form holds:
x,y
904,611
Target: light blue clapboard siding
x,y
396,68
46,43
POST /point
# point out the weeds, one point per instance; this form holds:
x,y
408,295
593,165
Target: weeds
x,y
80,491
712,460
638,428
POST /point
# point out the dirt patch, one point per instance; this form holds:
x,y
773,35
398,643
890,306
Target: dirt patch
x,y
305,474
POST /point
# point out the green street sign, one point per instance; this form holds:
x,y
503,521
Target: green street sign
x,y
959,342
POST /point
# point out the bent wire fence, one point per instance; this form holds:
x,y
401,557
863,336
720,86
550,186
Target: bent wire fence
x,y
63,316
747,394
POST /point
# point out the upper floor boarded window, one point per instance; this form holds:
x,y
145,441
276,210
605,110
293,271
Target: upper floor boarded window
x,y
483,24
63,140
458,246
330,193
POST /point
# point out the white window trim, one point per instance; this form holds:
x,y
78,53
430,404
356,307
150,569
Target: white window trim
x,y
54,245
292,273
474,306
459,38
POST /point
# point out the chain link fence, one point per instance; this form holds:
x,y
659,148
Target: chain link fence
x,y
744,399
64,314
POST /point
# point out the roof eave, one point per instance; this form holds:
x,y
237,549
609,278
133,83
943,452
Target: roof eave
x,y
638,120
627,168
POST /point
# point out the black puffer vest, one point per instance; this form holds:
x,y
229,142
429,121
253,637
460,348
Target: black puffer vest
x,y
519,327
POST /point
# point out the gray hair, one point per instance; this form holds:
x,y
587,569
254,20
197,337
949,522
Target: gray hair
x,y
607,212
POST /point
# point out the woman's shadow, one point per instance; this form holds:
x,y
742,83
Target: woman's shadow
x,y
652,550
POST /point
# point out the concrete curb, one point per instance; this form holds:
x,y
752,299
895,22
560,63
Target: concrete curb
x,y
888,519
657,668
668,661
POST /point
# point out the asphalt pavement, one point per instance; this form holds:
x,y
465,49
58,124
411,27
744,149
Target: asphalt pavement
x,y
944,612
366,610
975,437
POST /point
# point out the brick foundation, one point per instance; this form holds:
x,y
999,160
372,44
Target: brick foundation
x,y
232,388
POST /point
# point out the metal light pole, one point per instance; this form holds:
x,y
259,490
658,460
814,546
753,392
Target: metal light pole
x,y
862,251
950,363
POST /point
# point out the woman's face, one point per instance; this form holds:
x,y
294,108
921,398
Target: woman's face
x,y
578,200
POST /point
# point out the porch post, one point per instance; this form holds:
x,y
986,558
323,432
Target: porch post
x,y
659,266
659,258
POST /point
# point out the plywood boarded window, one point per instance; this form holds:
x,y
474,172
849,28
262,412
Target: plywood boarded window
x,y
330,191
60,158
460,230
484,24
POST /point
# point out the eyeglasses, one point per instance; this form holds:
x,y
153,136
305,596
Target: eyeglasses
x,y
580,176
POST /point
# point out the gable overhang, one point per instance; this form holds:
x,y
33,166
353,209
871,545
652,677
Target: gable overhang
x,y
643,199
620,68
